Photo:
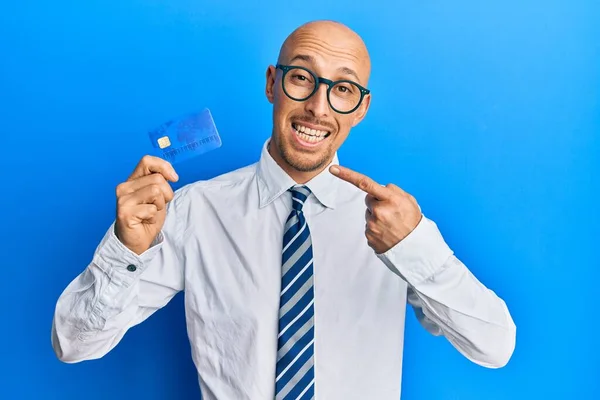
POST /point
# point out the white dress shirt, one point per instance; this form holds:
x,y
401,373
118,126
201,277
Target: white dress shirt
x,y
221,244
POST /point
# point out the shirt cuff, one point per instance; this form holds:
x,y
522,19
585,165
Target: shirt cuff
x,y
419,255
122,265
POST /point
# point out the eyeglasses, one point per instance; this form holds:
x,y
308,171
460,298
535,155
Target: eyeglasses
x,y
299,84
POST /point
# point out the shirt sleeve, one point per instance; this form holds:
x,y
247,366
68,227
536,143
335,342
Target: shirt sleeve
x,y
449,300
116,291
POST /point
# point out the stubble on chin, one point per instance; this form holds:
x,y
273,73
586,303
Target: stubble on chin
x,y
300,162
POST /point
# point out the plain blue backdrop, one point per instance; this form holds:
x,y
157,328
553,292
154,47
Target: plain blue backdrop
x,y
488,112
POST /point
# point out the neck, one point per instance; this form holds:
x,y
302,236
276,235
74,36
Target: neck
x,y
300,177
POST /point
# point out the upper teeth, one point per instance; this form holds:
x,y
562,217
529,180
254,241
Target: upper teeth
x,y
308,131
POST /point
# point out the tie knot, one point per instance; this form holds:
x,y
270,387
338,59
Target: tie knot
x,y
299,196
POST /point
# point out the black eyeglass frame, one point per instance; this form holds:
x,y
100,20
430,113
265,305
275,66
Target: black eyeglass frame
x,y
318,81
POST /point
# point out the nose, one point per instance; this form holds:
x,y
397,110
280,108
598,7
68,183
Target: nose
x,y
317,104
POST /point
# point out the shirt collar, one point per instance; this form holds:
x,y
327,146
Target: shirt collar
x,y
273,181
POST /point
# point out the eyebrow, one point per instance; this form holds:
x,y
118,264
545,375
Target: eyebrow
x,y
311,59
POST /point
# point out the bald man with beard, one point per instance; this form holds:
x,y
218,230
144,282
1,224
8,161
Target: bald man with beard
x,y
296,270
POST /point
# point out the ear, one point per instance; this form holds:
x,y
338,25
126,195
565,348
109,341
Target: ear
x,y
360,114
269,90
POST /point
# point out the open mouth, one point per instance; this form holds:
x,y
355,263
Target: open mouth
x,y
308,135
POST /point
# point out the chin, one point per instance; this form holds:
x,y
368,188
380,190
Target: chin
x,y
302,157
303,164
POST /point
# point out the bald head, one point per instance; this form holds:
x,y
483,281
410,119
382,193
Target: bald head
x,y
309,127
328,41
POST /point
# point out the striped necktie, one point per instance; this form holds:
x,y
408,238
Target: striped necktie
x,y
295,343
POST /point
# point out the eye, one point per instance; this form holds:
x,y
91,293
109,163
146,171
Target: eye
x,y
344,88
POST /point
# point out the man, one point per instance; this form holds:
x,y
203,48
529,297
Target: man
x,y
296,270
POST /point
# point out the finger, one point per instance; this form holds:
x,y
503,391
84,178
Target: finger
x,y
372,214
147,195
150,164
145,212
370,201
129,187
361,181
368,215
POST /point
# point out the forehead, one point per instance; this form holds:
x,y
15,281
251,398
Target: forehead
x,y
331,52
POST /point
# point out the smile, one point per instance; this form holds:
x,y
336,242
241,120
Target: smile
x,y
308,135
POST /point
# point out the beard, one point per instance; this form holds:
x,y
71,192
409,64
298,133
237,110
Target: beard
x,y
302,162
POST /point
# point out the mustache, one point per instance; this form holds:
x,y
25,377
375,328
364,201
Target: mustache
x,y
314,121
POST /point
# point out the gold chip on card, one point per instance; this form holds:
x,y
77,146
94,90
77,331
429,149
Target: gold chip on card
x,y
164,142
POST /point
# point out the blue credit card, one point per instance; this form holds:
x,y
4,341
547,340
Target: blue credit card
x,y
185,137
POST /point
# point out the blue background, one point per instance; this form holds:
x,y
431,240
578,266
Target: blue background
x,y
487,112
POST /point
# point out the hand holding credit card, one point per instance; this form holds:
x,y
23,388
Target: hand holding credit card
x,y
142,199
185,137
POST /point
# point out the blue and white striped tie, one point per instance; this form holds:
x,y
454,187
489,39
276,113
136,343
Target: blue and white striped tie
x,y
295,344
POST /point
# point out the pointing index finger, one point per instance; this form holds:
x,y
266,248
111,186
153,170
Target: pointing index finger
x,y
361,181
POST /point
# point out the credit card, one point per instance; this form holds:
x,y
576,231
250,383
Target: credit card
x,y
185,137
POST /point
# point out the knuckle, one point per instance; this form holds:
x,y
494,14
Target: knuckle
x,y
370,226
157,179
398,189
376,212
363,184
397,201
122,214
120,189
154,190
121,201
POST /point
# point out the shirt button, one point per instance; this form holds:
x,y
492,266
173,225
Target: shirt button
x,y
131,268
